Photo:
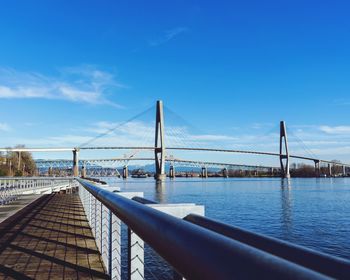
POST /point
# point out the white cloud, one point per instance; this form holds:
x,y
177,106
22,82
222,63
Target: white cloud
x,y
335,129
168,36
4,127
84,84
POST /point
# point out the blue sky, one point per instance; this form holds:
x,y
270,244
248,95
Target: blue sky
x,y
233,69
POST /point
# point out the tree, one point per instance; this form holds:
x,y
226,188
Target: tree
x,y
17,163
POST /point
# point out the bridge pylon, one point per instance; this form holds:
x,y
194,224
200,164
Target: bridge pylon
x,y
159,151
284,148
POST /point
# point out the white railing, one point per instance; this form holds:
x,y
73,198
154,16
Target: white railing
x,y
12,187
106,228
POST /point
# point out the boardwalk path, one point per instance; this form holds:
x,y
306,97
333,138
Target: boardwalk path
x,y
49,239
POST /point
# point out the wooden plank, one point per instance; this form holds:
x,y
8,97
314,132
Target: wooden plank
x,y
51,239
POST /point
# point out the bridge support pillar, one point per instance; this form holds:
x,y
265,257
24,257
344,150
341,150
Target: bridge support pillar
x,y
225,172
159,151
49,172
76,162
204,172
83,171
317,168
284,146
172,171
125,172
344,170
330,170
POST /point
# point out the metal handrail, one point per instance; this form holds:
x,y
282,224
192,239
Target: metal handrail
x,y
193,251
326,264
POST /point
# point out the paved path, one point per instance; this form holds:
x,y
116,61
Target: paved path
x,y
49,239
22,201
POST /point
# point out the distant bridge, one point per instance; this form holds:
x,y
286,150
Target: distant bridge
x,y
96,164
63,163
160,158
72,149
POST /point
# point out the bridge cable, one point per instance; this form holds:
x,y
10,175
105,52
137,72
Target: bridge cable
x,y
305,148
115,127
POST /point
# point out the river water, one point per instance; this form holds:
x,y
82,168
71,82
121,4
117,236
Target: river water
x,y
311,212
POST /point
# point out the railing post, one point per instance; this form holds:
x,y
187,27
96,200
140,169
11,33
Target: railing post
x,y
135,256
105,235
114,247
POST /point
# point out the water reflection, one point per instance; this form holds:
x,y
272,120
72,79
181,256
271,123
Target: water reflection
x,y
160,193
286,202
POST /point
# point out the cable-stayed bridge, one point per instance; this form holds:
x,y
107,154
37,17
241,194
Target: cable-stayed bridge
x,y
161,155
87,216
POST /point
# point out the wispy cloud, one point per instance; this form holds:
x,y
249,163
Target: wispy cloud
x,y
345,130
4,127
168,36
84,84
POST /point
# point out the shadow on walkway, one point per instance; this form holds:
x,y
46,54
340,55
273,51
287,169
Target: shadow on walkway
x,y
49,239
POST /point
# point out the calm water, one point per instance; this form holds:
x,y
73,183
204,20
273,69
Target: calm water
x,y
311,212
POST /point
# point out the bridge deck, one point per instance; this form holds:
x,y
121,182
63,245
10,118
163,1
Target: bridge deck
x,y
49,239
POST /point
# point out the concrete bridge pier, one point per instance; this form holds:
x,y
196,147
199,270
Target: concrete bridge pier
x,y
172,171
225,172
317,168
49,172
83,171
204,173
125,172
76,162
344,170
330,170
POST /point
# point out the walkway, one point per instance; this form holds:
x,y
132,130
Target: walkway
x,y
49,239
